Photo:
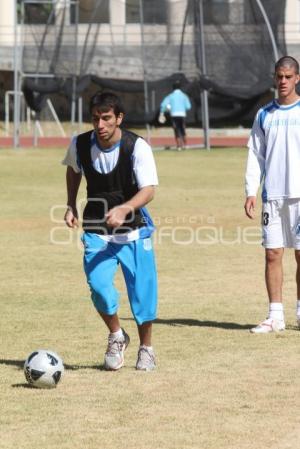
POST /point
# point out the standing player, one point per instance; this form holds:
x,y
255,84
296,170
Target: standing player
x,y
177,104
274,156
120,173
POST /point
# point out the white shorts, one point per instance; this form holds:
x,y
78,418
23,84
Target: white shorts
x,y
281,223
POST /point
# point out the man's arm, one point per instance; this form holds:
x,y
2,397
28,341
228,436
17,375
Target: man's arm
x,y
250,206
164,104
116,216
255,166
73,180
254,173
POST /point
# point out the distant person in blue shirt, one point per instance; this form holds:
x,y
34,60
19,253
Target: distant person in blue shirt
x,y
176,104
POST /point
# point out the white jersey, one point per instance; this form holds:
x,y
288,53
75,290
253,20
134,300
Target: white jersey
x,y
274,152
105,160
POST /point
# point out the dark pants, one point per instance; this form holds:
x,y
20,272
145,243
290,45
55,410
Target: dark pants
x,y
178,124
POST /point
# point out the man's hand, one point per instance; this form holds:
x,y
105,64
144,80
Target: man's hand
x,y
71,217
250,206
162,118
115,217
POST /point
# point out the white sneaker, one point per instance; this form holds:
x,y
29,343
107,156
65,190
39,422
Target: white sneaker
x,y
269,325
114,356
145,359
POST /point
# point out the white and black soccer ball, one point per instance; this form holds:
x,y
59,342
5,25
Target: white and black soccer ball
x,y
43,369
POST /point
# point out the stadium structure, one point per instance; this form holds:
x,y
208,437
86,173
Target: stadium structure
x,y
57,53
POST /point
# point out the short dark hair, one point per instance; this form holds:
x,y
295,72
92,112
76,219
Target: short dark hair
x,y
104,101
287,61
176,84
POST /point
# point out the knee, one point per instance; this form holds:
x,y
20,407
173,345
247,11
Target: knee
x,y
102,305
100,289
297,257
104,298
273,255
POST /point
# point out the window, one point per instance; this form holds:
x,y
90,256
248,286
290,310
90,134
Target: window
x,y
36,13
154,11
90,11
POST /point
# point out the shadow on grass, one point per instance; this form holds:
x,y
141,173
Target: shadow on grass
x,y
180,322
20,364
292,327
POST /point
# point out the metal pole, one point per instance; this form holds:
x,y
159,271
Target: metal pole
x,y
74,89
80,113
144,70
6,102
28,118
272,37
204,95
55,116
16,139
35,131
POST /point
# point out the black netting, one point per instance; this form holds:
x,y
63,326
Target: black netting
x,y
84,49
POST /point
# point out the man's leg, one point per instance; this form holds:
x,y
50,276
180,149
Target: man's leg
x,y
100,265
118,341
145,333
138,265
274,274
177,135
297,257
182,142
146,356
111,321
274,281
183,133
178,143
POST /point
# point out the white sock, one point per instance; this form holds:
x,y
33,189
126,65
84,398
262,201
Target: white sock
x,y
276,311
298,307
147,347
117,334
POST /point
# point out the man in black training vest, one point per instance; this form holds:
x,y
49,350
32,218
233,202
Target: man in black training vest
x,y
121,177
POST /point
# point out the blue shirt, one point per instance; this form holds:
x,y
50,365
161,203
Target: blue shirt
x,y
177,103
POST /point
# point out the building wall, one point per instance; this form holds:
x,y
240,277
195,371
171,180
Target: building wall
x,y
7,20
119,39
118,33
292,28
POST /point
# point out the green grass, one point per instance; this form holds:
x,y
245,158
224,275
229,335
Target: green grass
x,y
216,386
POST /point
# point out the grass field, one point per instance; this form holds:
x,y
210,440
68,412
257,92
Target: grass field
x,y
216,385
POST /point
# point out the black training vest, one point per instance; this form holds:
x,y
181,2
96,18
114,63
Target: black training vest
x,y
105,191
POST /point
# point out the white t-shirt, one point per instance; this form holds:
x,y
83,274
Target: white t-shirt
x,y
104,161
274,152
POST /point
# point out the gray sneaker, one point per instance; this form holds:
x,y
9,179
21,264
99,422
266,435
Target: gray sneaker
x,y
146,359
114,356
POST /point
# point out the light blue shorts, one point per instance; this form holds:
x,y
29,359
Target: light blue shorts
x,y
101,260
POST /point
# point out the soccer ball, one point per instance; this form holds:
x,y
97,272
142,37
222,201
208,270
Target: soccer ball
x,y
43,369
